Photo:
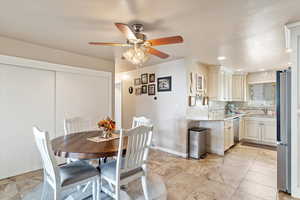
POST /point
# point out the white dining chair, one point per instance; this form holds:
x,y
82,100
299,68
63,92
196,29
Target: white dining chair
x,y
132,165
79,124
139,121
67,176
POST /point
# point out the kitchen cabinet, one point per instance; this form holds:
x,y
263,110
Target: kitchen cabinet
x,y
228,134
260,131
268,132
241,128
239,87
220,84
252,130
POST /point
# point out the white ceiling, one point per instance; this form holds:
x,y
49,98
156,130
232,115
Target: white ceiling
x,y
248,32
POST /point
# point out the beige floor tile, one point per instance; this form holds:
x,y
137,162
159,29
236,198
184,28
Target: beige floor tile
x,y
254,188
267,180
239,195
9,191
181,185
216,190
228,175
199,196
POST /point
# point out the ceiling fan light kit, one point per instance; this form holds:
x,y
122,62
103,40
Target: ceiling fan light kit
x,y
139,47
136,55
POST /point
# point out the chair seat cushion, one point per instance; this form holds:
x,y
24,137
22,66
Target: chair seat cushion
x,y
76,172
109,171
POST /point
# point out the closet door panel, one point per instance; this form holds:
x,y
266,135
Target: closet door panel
x,y
26,99
79,95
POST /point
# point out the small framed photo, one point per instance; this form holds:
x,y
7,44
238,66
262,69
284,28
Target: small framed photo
x,y
152,78
199,82
144,78
138,91
192,101
151,89
144,89
137,81
164,84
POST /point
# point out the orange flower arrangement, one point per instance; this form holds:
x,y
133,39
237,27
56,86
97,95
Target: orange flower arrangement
x,y
107,124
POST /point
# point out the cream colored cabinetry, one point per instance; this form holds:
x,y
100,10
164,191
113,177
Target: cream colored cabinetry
x,y
239,87
220,84
228,134
268,132
227,86
252,130
241,128
260,131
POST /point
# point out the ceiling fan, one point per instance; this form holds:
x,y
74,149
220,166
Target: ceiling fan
x,y
138,44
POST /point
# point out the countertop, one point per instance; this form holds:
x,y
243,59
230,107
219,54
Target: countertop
x,y
214,118
232,116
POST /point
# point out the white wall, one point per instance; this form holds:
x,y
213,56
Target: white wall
x,y
194,66
167,112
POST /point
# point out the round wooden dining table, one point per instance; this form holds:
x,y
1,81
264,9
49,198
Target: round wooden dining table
x,y
77,145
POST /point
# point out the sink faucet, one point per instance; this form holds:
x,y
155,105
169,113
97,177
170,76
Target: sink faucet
x,y
265,110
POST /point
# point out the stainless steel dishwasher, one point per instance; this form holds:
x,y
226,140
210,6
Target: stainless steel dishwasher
x,y
236,129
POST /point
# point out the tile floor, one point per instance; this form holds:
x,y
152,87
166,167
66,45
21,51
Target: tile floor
x,y
244,173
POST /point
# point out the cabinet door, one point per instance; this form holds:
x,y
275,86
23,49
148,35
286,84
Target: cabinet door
x,y
241,129
226,86
237,90
214,85
222,83
229,86
226,140
268,134
231,137
228,134
238,87
252,130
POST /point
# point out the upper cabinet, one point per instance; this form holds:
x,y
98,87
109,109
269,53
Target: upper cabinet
x,y
239,87
224,85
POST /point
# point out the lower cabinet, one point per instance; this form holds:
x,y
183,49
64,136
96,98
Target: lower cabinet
x,y
268,135
228,134
260,131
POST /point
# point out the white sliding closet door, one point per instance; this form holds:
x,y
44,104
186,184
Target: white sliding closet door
x,y
27,98
80,95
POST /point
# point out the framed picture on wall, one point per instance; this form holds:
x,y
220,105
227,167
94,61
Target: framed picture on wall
x,y
164,84
152,78
144,89
151,89
199,82
138,91
137,81
144,78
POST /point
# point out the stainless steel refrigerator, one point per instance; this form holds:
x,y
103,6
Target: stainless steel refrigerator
x,y
283,112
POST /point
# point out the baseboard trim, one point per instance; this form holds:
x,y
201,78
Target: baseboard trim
x,y
177,153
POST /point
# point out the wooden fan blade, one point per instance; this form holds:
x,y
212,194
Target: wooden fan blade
x,y
166,40
109,44
124,28
157,53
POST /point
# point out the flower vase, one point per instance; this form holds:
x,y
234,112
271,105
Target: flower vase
x,y
106,134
